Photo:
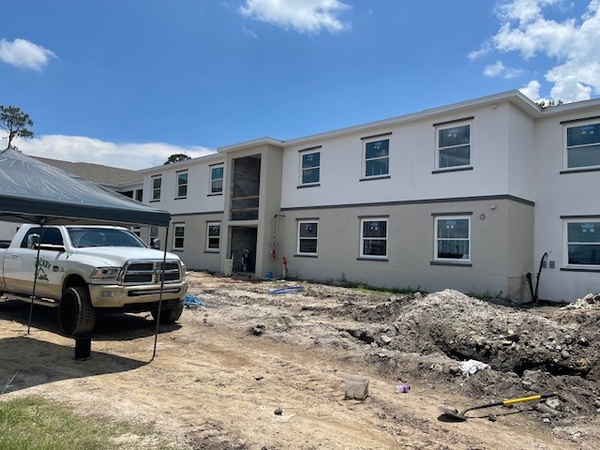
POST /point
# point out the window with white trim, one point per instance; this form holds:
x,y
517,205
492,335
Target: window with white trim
x,y
213,236
583,146
376,157
179,236
311,167
182,184
453,238
373,238
216,179
308,234
153,237
454,146
583,242
156,187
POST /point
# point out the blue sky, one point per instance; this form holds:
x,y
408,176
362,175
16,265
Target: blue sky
x,y
127,83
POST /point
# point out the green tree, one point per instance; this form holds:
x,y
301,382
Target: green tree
x,y
15,123
176,158
542,104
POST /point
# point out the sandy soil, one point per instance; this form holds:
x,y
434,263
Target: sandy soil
x,y
255,368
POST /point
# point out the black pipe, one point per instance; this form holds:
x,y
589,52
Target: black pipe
x,y
537,281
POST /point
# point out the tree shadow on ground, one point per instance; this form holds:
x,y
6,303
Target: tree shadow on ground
x,y
26,361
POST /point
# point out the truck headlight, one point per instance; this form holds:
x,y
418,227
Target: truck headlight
x,y
106,273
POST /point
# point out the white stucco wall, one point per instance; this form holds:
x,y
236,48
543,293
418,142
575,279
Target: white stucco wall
x,y
8,230
557,195
199,199
520,153
412,159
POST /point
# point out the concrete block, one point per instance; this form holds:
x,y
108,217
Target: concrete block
x,y
228,270
357,388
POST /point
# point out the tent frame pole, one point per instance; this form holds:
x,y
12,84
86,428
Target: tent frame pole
x,y
35,274
160,298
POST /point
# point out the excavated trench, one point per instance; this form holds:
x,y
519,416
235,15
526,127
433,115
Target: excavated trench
x,y
500,359
462,328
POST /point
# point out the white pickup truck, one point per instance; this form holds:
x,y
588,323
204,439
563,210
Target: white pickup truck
x,y
85,270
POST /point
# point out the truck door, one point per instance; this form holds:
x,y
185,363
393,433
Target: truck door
x,y
20,264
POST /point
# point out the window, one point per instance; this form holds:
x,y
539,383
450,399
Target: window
x,y
583,146
311,168
156,185
139,194
179,236
213,236
82,237
307,237
454,146
583,242
154,243
374,237
48,236
182,184
216,180
377,156
452,238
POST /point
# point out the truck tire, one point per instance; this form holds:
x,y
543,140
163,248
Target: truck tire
x,y
169,315
75,312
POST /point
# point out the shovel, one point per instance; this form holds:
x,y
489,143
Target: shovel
x,y
459,416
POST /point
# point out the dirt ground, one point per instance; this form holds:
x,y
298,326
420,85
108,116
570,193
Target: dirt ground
x,y
263,365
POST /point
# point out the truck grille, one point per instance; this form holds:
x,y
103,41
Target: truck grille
x,y
149,272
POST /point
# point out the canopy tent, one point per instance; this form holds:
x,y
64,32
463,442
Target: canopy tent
x,y
35,192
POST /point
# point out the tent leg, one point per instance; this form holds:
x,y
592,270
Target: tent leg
x,y
35,276
83,347
160,298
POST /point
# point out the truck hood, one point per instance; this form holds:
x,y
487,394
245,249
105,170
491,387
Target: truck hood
x,y
117,256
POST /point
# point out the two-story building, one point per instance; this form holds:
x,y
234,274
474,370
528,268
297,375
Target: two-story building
x,y
468,196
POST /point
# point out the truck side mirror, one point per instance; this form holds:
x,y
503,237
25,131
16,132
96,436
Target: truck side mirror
x,y
155,243
33,241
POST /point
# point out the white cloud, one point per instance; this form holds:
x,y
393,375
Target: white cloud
x,y
500,70
484,50
310,16
532,90
570,44
85,149
24,54
249,33
524,11
567,86
540,36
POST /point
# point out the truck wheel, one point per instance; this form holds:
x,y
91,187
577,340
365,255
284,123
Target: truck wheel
x,y
75,312
169,315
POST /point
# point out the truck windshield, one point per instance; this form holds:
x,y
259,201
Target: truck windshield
x,y
103,237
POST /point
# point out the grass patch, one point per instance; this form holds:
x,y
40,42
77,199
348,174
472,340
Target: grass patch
x,y
363,287
36,423
381,290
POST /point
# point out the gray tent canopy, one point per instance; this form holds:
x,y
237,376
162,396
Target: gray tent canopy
x,y
34,192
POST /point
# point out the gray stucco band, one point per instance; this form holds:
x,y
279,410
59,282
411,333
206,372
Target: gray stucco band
x,y
208,213
417,202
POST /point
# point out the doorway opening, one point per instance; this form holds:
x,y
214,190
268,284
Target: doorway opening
x,y
242,248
